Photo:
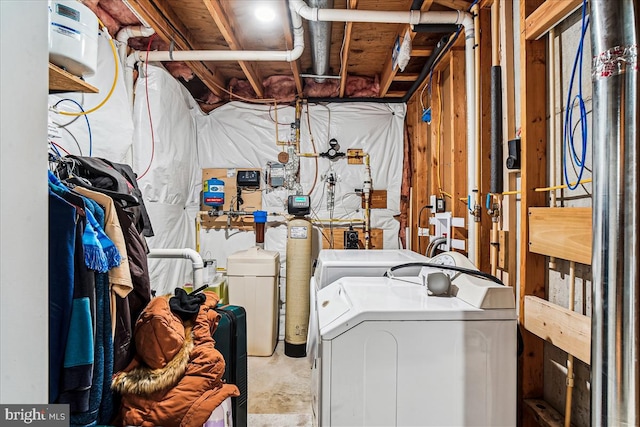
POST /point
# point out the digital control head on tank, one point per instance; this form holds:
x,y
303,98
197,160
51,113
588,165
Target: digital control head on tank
x,y
299,205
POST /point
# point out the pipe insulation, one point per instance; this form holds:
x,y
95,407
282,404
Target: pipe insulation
x,y
615,367
186,253
496,182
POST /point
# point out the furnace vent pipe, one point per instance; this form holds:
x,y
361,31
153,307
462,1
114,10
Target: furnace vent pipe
x,y
615,370
320,41
415,17
186,253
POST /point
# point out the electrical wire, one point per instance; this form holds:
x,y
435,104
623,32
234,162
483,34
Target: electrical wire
x,y
85,118
74,140
146,87
438,135
58,146
113,84
568,140
476,273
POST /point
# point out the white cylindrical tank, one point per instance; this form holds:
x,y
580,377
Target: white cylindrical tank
x,y
299,233
73,37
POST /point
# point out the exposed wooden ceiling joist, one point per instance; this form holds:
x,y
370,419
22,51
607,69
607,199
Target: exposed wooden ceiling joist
x,y
454,4
218,14
389,72
169,27
421,51
405,77
288,36
344,63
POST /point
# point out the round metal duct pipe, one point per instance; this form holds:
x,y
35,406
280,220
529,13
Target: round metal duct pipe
x,y
615,367
320,40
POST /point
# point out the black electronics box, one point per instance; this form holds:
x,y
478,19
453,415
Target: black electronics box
x,y
248,178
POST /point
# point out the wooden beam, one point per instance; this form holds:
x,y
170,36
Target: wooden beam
x,y
344,64
288,37
388,72
410,77
509,207
170,28
564,328
395,94
563,233
454,4
534,166
219,15
547,16
421,51
543,414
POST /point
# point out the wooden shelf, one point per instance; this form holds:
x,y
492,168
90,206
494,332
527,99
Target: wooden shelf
x,y
62,81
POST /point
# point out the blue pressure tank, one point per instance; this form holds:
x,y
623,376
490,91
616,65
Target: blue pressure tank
x,y
213,192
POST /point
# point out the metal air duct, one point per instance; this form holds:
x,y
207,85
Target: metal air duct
x,y
615,368
320,40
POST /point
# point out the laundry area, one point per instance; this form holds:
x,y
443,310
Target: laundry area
x,y
280,213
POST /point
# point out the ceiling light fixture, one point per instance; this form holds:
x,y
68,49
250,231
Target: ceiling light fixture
x,y
265,14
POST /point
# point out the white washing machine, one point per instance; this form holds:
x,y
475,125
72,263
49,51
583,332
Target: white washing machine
x,y
333,264
391,355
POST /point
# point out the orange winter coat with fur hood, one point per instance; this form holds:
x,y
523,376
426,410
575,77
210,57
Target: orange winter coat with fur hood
x,y
175,378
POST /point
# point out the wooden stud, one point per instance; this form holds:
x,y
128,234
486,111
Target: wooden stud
x,y
564,233
421,169
564,328
509,209
456,103
219,15
344,68
547,16
533,152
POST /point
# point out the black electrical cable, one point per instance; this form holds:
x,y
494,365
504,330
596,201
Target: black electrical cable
x,y
468,271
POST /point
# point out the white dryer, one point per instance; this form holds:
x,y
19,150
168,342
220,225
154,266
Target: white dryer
x,y
391,355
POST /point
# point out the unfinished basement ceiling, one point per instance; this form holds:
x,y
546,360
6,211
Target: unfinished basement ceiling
x,y
359,57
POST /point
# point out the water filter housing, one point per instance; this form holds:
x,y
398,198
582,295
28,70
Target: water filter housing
x,y
73,37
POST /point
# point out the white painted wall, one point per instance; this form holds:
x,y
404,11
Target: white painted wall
x,y
23,203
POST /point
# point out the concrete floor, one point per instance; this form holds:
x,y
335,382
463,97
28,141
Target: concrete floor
x,y
279,391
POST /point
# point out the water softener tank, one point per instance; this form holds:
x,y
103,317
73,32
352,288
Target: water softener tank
x,y
73,37
299,233
213,192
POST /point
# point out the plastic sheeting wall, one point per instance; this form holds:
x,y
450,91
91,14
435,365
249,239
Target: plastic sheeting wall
x,y
111,125
240,135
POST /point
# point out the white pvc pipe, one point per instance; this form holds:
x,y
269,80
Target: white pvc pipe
x,y
416,17
234,55
186,253
128,63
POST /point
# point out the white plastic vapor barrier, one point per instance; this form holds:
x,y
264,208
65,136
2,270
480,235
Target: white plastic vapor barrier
x,y
111,125
168,172
242,135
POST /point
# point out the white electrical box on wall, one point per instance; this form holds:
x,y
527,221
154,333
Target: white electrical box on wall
x,y
73,37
